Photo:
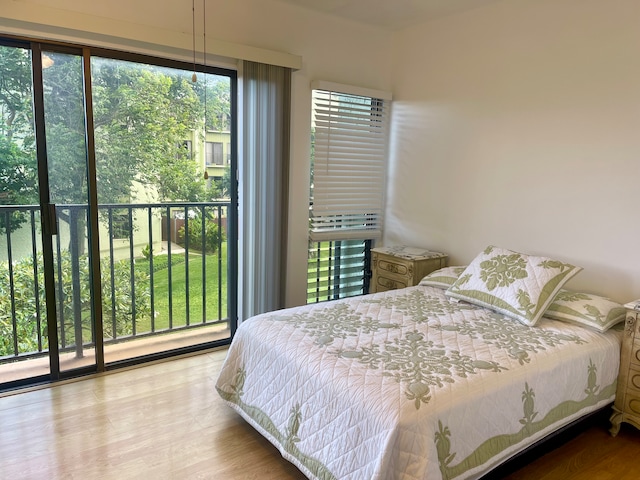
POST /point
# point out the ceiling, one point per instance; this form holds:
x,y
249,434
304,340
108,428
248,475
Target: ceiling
x,y
391,14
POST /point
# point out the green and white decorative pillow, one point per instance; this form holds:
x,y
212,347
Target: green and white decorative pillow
x,y
514,284
593,311
443,277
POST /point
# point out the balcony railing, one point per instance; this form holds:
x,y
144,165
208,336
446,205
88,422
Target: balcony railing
x,y
163,268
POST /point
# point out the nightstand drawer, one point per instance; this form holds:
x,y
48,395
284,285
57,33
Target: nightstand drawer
x,y
635,354
632,403
634,380
384,283
393,267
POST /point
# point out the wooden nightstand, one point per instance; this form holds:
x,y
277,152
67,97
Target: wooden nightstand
x,y
401,266
627,405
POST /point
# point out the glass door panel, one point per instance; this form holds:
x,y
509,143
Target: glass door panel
x,y
64,109
23,317
162,159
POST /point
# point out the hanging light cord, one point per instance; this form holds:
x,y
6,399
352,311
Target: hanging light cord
x,y
194,77
204,60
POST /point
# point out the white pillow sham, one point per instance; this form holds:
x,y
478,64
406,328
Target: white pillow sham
x,y
443,277
515,284
593,311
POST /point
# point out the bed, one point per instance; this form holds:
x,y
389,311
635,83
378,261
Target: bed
x,y
424,382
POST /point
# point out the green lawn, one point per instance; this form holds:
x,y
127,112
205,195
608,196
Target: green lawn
x,y
216,299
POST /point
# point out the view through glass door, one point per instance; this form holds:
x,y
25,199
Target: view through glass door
x,y
46,327
23,313
143,252
68,180
163,152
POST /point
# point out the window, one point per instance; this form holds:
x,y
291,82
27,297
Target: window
x,y
188,148
349,146
214,153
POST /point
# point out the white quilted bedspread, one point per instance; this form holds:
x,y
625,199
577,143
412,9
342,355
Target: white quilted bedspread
x,y
406,385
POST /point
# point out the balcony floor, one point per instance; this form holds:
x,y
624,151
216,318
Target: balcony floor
x,y
116,352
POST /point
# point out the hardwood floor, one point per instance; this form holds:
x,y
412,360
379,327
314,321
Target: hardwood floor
x,y
165,421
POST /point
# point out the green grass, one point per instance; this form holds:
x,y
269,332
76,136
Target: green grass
x,y
214,310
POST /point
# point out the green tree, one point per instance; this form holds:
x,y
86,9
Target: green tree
x,y
15,96
221,187
142,117
18,182
215,96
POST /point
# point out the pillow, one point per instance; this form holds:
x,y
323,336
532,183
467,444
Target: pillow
x,y
442,278
514,284
592,311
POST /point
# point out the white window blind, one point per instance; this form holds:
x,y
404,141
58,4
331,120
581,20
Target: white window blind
x,y
349,166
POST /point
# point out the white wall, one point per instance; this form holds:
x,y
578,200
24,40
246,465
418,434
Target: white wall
x,y
518,124
331,49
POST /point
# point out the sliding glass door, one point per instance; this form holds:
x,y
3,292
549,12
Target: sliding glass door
x,y
68,171
24,330
164,205
117,211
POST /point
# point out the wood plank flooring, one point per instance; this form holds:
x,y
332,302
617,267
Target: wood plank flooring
x,y
165,421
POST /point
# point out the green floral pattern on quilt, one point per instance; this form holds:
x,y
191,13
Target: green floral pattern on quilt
x,y
289,438
418,364
420,306
337,321
517,339
530,426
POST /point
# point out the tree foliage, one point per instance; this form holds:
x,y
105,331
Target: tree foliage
x,y
141,114
29,301
18,181
212,236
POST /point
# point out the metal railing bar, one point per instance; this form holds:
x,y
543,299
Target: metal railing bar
x,y
186,262
12,287
169,268
151,272
112,276
204,263
132,272
62,338
219,250
75,274
36,284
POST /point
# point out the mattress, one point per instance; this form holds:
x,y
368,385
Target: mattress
x,y
407,385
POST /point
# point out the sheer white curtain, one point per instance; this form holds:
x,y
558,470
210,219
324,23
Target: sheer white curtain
x,y
264,170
